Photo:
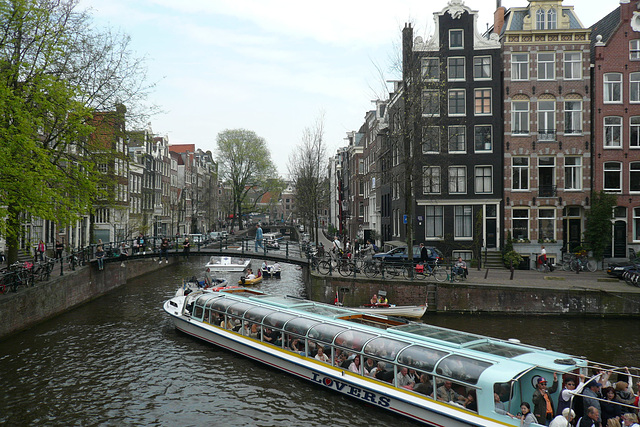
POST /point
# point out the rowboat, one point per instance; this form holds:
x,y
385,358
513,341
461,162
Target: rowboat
x,y
248,282
410,311
226,263
285,332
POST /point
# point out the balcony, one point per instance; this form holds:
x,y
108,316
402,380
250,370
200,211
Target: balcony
x,y
547,191
546,135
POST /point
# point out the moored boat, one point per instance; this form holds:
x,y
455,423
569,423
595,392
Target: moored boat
x,y
410,311
285,332
226,263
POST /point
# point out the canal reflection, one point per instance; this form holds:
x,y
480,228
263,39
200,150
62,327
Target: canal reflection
x,y
118,360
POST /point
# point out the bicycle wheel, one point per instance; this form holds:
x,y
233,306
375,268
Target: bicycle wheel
x,y
346,268
566,266
575,265
391,270
408,272
439,274
371,270
592,265
324,267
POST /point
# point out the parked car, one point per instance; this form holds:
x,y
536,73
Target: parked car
x,y
617,269
400,254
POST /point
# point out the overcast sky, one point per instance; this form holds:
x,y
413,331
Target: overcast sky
x,y
275,66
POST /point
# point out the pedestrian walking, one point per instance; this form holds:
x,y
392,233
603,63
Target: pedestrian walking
x,y
259,237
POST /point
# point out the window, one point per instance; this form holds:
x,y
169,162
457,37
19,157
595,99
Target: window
x,y
455,68
463,222
483,102
551,19
612,87
540,19
546,224
520,117
456,102
482,67
519,66
431,102
612,132
546,66
613,176
573,173
484,179
634,132
634,87
431,180
572,65
457,180
430,139
546,120
431,68
434,222
483,138
520,169
547,176
636,224
456,39
457,139
520,224
634,50
634,176
573,117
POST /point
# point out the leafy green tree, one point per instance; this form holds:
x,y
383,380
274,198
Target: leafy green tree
x,y
598,224
55,71
244,163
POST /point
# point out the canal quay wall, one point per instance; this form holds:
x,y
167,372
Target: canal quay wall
x,y
528,293
29,306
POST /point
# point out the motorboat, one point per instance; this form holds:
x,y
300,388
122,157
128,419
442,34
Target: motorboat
x,y
409,311
284,332
226,263
248,282
271,271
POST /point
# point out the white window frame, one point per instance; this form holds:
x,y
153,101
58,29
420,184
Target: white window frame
x,y
608,169
519,68
573,116
475,142
463,222
456,31
454,99
612,90
484,179
547,222
634,170
634,88
520,117
527,218
454,133
636,225
634,50
457,67
480,102
457,180
434,222
428,65
428,132
546,120
549,67
634,132
612,132
573,173
482,64
428,94
522,172
431,180
573,65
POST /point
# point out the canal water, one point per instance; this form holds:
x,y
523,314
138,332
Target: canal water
x,y
119,361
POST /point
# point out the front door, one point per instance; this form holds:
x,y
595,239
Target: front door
x,y
492,226
619,239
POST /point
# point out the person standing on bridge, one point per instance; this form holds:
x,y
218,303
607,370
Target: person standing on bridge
x,y
259,237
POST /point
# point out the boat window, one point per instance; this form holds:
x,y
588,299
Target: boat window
x,y
353,340
257,314
325,333
438,333
221,304
198,311
239,308
385,348
506,398
500,349
462,368
277,320
299,325
421,358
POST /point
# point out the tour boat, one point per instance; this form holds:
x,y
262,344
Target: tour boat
x,y
284,332
410,311
226,263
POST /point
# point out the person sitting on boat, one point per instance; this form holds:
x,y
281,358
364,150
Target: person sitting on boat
x,y
446,393
525,415
264,266
472,401
355,365
250,275
383,300
321,356
564,419
275,267
404,379
630,419
369,365
374,299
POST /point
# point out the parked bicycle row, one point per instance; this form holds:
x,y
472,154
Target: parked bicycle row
x,y
25,274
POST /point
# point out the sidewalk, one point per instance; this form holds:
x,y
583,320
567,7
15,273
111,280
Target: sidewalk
x,y
559,279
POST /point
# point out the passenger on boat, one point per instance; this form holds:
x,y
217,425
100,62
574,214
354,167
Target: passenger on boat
x,y
374,299
404,379
382,374
543,405
321,356
570,386
254,332
564,419
591,418
424,386
610,408
500,408
525,415
250,275
624,393
630,419
591,395
446,393
472,401
355,365
228,324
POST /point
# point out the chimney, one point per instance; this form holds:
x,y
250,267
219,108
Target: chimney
x,y
498,19
625,11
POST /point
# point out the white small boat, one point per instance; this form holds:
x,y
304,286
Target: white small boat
x,y
271,271
410,311
227,263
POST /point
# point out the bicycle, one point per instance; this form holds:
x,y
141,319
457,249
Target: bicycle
x,y
581,263
422,271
